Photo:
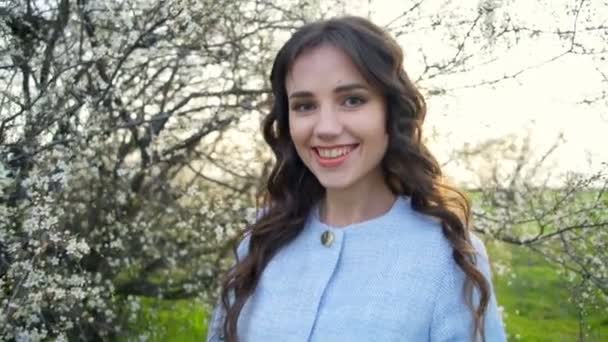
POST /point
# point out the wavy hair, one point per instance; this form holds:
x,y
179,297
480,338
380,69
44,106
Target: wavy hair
x,y
409,168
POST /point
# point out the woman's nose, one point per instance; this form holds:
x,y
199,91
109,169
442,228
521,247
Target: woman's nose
x,y
328,124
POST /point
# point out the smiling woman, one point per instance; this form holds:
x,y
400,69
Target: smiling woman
x,y
360,239
337,124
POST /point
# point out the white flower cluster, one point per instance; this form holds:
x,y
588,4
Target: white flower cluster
x,y
80,238
5,179
77,248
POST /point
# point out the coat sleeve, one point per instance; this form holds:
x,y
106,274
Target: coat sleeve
x,y
216,324
452,320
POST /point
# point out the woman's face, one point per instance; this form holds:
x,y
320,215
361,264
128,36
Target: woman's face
x,y
336,119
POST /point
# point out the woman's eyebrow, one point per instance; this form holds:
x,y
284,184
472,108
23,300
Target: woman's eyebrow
x,y
339,89
301,94
349,87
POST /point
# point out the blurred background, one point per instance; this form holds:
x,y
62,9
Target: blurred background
x,y
131,157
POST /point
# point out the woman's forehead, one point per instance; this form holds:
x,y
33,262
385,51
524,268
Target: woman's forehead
x,y
323,67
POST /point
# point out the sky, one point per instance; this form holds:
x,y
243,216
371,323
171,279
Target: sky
x,y
541,102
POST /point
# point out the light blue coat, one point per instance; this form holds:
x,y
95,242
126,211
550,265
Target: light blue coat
x,y
391,278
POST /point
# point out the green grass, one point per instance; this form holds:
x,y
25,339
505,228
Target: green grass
x,y
534,297
167,320
536,300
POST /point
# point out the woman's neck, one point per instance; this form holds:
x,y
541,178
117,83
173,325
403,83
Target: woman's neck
x,y
340,208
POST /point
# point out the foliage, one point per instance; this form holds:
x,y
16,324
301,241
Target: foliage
x,y
168,320
113,117
567,225
536,300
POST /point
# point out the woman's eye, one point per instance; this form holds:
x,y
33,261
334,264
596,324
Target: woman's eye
x,y
302,107
354,101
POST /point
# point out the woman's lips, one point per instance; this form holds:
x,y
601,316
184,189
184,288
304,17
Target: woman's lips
x,y
333,162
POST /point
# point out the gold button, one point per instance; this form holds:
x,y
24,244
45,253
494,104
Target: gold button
x,y
327,238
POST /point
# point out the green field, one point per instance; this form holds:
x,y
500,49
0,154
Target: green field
x,y
164,320
536,300
533,295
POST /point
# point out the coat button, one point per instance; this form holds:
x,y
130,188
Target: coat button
x,y
327,238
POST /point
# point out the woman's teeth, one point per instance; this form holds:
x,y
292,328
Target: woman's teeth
x,y
334,152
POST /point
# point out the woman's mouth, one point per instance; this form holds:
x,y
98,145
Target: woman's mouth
x,y
333,156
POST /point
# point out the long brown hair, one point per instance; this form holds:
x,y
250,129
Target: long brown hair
x,y
409,168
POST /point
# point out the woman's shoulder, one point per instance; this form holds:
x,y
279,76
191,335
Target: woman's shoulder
x,y
427,230
425,234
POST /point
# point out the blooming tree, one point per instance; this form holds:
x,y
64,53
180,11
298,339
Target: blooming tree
x,y
116,180
567,223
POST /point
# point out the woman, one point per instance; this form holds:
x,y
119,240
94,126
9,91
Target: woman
x,y
360,240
